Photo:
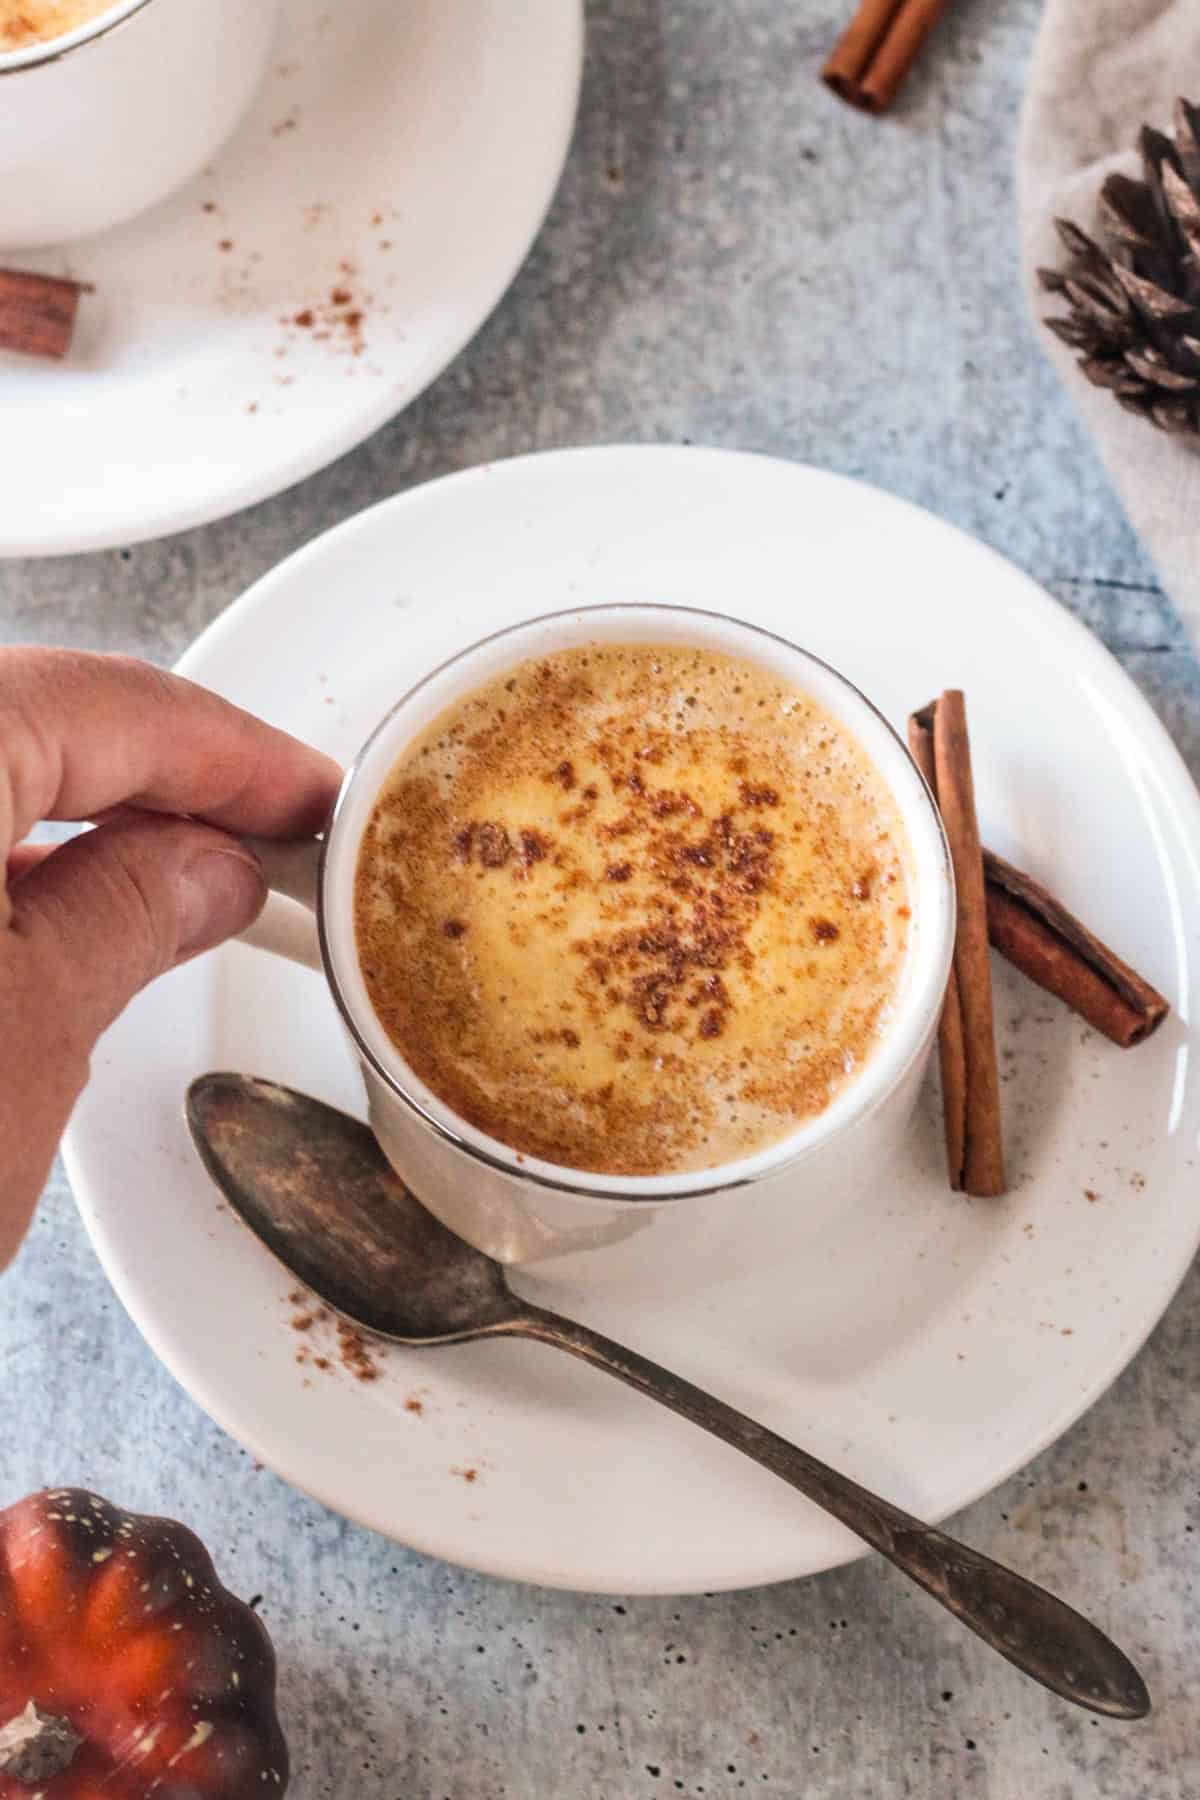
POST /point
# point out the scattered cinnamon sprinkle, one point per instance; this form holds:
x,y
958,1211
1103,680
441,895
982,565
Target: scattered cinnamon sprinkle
x,y
1091,1195
532,848
618,871
495,845
225,244
355,1355
339,318
824,930
413,1405
665,803
467,1475
751,795
210,206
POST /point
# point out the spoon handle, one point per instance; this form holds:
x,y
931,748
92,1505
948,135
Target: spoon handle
x,y
1040,1634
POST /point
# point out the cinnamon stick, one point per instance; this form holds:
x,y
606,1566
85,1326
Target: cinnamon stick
x,y
952,1060
938,739
1037,933
877,49
37,312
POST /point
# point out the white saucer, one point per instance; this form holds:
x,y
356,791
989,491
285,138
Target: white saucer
x,y
925,1343
400,155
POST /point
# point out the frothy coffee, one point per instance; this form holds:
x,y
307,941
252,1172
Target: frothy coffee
x,y
635,909
25,22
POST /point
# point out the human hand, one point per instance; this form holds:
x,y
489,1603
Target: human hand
x,y
85,925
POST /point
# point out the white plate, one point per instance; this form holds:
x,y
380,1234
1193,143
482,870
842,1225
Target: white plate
x,y
400,154
927,1344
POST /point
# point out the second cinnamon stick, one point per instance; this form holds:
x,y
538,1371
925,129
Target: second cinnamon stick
x,y
877,49
1035,931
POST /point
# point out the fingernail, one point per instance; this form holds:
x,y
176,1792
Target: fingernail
x,y
220,892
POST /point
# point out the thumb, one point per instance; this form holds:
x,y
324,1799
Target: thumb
x,y
89,926
121,904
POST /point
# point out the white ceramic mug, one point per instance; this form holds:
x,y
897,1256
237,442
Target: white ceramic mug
x,y
100,123
523,1210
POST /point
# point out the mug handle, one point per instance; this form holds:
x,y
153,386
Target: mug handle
x,y
287,924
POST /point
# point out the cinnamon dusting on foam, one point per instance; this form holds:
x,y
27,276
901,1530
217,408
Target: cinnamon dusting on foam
x,y
634,909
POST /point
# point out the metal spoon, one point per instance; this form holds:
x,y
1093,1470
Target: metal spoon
x,y
314,1186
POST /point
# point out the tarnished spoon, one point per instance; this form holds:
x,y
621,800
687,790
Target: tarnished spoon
x,y
314,1186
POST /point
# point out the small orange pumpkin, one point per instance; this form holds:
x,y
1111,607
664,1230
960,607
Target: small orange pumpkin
x,y
127,1672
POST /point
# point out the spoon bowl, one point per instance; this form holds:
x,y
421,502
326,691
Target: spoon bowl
x,y
314,1186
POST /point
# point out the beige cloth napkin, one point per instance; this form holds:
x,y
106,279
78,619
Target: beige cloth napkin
x,y
1102,68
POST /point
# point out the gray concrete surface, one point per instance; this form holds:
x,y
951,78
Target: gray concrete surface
x,y
735,259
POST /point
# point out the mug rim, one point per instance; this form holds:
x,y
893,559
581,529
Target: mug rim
x,y
56,49
580,1183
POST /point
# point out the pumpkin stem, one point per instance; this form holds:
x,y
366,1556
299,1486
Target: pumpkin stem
x,y
36,1746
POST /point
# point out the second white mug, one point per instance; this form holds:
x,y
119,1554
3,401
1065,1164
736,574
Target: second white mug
x,y
102,122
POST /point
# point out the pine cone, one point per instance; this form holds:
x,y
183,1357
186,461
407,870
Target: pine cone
x,y
1135,297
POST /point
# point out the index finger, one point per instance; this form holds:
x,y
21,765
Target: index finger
x,y
82,732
